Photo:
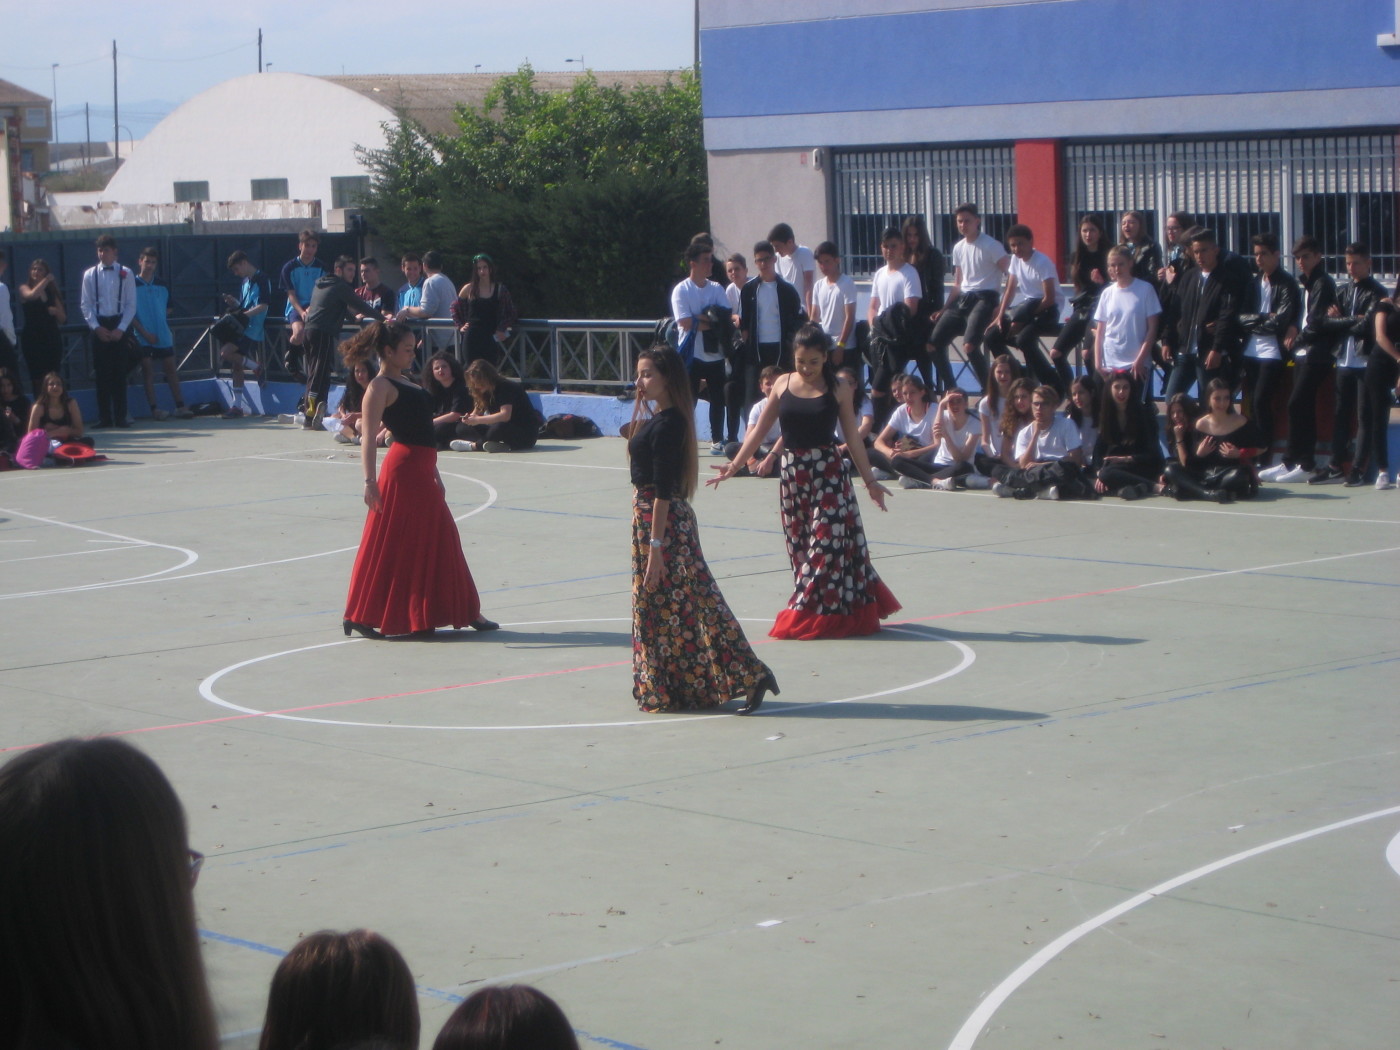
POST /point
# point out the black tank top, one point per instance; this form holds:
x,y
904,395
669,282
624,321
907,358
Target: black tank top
x,y
807,422
410,417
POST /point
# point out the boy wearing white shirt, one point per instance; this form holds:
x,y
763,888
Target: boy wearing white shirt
x,y
834,301
1049,459
689,301
736,267
894,283
1125,321
1034,300
796,263
979,261
764,463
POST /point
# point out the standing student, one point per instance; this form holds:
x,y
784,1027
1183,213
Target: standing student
x,y
108,306
770,312
298,280
929,264
736,268
688,650
9,357
1125,322
410,575
690,300
254,294
333,305
485,313
1208,335
435,301
895,286
834,304
1147,255
1034,299
796,263
837,592
41,303
979,262
411,292
382,299
1270,324
1378,391
152,327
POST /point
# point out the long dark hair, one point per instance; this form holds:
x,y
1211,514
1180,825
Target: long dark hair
x,y
334,989
1084,259
42,394
354,397
508,1017
670,368
925,245
1136,421
442,395
97,904
483,391
1011,420
812,337
372,340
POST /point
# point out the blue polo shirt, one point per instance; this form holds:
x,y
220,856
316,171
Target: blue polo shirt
x,y
301,278
255,292
152,306
411,295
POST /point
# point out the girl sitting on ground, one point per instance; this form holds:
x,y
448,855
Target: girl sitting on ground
x,y
1128,454
348,411
447,386
906,445
57,413
501,419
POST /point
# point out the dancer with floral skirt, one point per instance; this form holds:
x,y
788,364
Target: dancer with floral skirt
x,y
837,591
688,650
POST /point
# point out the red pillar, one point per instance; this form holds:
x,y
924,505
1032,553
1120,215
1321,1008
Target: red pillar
x,y
1040,196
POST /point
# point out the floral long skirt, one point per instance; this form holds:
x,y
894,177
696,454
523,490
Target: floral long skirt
x,y
837,592
688,650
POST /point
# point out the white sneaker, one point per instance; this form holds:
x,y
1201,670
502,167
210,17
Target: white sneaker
x,y
907,482
1052,493
977,481
1002,490
343,438
944,484
717,448
159,413
1298,473
1383,482
1273,473
462,446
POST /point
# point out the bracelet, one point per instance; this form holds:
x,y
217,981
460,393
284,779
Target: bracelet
x,y
371,481
656,544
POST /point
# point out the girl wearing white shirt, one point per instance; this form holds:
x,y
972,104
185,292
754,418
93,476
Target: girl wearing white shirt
x,y
957,433
906,445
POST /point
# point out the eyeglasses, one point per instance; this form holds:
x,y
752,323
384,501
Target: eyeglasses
x,y
196,865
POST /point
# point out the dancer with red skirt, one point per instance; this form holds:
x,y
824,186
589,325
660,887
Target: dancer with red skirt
x,y
410,576
837,591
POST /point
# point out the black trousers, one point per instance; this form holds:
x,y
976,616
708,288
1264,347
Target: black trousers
x,y
320,362
517,435
1064,474
1348,396
1027,340
968,316
1260,381
711,373
1376,387
111,364
1309,373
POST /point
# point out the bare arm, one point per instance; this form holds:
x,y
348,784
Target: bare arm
x,y
754,437
856,447
378,396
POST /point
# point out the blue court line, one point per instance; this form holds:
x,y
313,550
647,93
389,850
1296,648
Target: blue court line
x,y
422,990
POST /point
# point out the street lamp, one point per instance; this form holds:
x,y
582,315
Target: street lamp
x,y
53,69
581,63
476,67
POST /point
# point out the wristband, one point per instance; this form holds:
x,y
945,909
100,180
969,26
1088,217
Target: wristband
x,y
655,544
371,481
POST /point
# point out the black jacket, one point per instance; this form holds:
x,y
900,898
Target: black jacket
x,y
333,302
1358,301
1210,308
790,312
1283,310
1320,294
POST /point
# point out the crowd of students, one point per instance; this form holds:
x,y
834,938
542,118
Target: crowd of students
x,y
101,946
1195,314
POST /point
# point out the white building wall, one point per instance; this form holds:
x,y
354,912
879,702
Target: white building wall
x,y
261,126
752,191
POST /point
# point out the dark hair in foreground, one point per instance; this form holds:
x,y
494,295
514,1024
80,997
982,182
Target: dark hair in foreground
x,y
335,989
97,905
672,371
508,1017
430,382
372,340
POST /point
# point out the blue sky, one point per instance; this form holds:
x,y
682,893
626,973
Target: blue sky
x,y
168,52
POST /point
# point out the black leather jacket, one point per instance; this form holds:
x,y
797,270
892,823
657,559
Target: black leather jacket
x,y
1283,310
1358,301
1321,296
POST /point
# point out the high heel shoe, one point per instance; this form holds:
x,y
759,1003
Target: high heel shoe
x,y
483,624
765,685
359,628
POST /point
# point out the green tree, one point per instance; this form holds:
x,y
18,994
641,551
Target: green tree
x,y
584,198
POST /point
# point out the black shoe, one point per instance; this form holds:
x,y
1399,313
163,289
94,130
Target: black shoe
x,y
1326,474
483,624
1141,491
359,628
765,685
1354,480
124,425
104,425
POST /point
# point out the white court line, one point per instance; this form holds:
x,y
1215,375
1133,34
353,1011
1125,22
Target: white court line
x,y
190,558
972,1028
69,554
1255,515
1392,854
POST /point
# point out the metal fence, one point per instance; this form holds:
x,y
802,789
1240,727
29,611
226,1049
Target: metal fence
x,y
1338,188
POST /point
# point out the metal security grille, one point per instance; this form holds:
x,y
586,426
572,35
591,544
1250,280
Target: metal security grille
x,y
873,189
1338,188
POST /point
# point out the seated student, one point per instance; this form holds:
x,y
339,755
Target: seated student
x,y
1049,461
507,1017
957,432
502,418
978,264
97,913
1353,321
1083,412
995,453
254,294
764,463
336,990
1125,323
1381,380
1088,268
57,413
928,263
14,406
1270,322
348,413
905,445
1213,462
446,384
1033,297
865,412
1127,455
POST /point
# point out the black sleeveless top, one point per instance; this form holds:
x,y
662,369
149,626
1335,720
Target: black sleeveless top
x,y
807,422
410,417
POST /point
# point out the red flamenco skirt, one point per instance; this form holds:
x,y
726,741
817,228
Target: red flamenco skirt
x,y
837,593
410,574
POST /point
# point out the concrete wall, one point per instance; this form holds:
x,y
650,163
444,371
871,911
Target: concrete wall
x,y
752,191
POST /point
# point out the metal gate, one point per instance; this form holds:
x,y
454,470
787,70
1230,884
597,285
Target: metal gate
x,y
1338,188
873,189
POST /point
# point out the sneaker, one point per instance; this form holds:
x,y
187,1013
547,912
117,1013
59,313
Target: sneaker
x,y
1383,482
1052,493
343,438
1132,492
1354,479
1325,474
181,412
1002,490
288,417
233,413
462,446
944,484
913,483
1298,473
1274,473
716,448
159,413
496,446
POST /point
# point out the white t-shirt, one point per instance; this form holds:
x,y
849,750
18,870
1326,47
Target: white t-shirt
x,y
689,301
1056,443
894,286
831,301
991,425
977,262
731,292
438,293
1031,275
1124,313
792,267
1262,346
906,426
770,324
954,436
774,432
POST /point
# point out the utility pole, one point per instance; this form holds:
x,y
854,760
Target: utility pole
x,y
54,70
697,37
260,69
87,122
116,126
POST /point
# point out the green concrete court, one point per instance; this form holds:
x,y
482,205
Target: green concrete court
x,y
1121,776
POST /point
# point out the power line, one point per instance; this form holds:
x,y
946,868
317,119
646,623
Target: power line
x,y
193,58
